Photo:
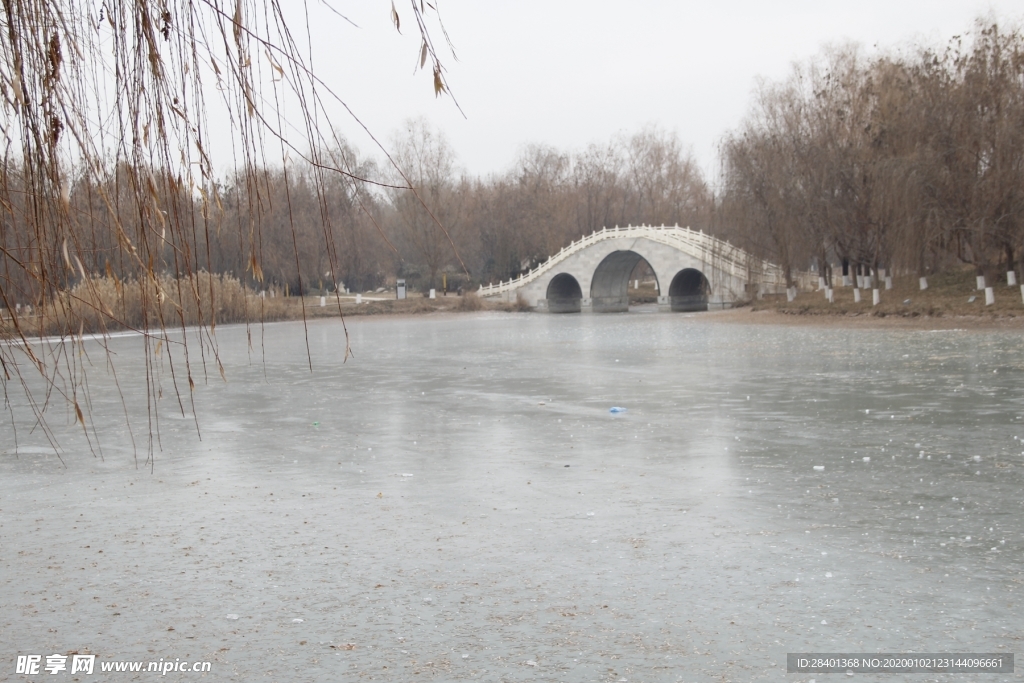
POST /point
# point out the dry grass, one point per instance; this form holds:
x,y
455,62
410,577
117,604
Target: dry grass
x,y
104,304
948,295
520,305
470,302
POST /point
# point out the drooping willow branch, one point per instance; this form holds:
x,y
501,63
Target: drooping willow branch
x,y
108,195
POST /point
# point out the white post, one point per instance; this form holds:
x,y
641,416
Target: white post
x,y
831,295
789,294
323,301
981,282
1011,278
990,296
432,290
827,291
888,281
876,298
856,295
924,283
821,283
636,284
359,298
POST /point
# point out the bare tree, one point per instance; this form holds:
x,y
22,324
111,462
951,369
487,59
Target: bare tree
x,y
429,216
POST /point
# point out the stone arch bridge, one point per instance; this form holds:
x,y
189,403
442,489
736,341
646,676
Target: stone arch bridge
x,y
694,272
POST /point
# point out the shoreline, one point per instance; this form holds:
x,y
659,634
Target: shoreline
x,y
767,316
757,314
742,315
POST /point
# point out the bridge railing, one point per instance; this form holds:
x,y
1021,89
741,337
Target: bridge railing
x,y
709,249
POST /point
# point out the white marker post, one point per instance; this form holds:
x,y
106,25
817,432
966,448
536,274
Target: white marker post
x,y
856,295
323,301
888,281
1011,278
359,298
432,293
990,296
876,297
981,282
924,283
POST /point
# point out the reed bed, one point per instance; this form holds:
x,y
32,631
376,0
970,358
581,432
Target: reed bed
x,y
101,304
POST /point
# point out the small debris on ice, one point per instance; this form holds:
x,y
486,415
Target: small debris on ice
x,y
616,409
977,458
530,662
828,575
465,656
866,459
232,616
428,599
819,468
824,623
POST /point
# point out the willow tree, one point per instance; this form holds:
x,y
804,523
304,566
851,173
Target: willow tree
x,y
107,175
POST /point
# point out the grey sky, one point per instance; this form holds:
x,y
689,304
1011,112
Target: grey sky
x,y
568,73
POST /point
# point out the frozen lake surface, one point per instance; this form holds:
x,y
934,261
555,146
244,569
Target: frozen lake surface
x,y
457,502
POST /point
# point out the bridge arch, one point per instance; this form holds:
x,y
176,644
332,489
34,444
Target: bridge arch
x,y
689,291
609,286
564,294
600,264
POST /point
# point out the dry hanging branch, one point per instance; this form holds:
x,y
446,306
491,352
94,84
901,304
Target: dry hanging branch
x,y
108,201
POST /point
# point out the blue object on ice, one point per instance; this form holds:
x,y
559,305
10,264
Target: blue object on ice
x,y
616,409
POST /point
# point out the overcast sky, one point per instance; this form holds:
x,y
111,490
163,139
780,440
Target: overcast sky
x,y
567,73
